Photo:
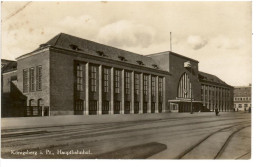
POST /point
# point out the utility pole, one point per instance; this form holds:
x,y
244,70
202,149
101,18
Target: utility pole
x,y
170,41
191,111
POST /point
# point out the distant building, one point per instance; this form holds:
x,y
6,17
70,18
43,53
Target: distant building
x,y
242,98
69,75
13,100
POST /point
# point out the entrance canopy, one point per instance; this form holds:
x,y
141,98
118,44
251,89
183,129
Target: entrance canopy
x,y
185,105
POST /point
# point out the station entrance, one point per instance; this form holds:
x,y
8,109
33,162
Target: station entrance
x,y
185,106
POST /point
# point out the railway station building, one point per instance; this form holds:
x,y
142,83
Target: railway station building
x,y
72,76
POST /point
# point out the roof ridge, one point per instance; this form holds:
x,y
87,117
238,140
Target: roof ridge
x,y
102,44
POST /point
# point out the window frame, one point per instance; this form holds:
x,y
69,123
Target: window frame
x,y
31,79
117,81
105,79
93,78
127,82
25,80
39,78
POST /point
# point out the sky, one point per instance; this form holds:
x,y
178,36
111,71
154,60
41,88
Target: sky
x,y
217,34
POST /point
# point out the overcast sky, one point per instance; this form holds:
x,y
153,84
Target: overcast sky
x,y
217,34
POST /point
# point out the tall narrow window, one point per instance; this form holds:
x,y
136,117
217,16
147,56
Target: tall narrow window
x,y
137,83
25,80
32,78
105,79
136,109
153,86
117,80
92,107
79,77
160,87
39,78
127,83
201,92
145,84
127,107
105,107
145,107
153,107
117,106
184,87
93,78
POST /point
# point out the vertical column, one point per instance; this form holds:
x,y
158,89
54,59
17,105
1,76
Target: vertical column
x,y
215,96
204,104
132,93
141,93
225,98
164,97
123,92
149,93
208,97
220,99
112,103
181,87
100,91
86,112
157,95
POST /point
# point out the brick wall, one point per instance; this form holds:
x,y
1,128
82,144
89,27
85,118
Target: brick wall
x,y
40,58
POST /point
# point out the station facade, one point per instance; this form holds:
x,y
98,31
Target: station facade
x,y
72,76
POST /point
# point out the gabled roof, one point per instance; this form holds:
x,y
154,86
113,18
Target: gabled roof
x,y
8,65
86,46
205,77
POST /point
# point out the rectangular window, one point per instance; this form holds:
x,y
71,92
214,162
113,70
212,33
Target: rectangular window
x,y
79,105
127,83
25,80
32,79
79,76
136,109
105,79
239,105
39,78
160,87
127,107
160,107
105,107
145,107
153,86
145,84
117,107
245,105
202,95
93,78
137,84
117,81
92,107
153,107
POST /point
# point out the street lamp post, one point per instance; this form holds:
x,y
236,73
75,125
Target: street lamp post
x,y
191,111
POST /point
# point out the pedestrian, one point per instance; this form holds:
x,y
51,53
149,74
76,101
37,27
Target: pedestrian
x,y
216,111
249,110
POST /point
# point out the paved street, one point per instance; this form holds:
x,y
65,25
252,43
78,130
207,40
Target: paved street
x,y
173,136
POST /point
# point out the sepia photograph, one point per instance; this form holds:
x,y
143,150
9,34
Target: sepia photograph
x,y
149,80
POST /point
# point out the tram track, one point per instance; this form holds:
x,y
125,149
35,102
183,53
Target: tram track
x,y
222,149
77,132
100,135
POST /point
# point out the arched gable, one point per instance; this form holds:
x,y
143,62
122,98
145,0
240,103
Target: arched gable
x,y
184,86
